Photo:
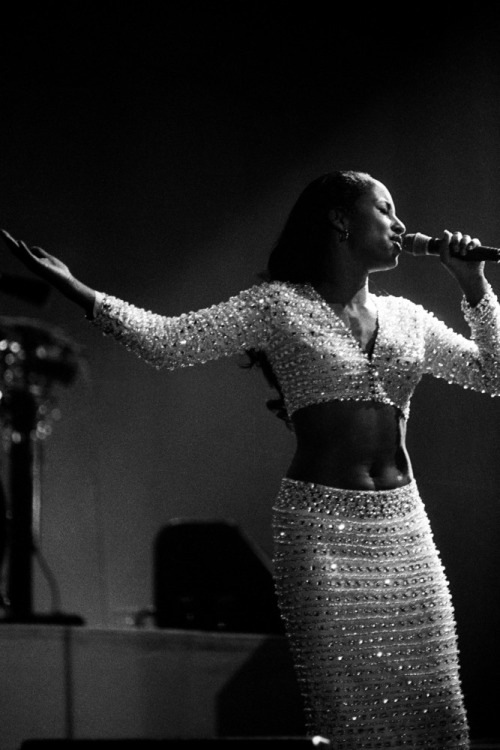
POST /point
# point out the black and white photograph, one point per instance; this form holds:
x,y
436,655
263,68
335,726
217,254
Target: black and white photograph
x,y
249,375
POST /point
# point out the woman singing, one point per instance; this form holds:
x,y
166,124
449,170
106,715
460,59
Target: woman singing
x,y
360,584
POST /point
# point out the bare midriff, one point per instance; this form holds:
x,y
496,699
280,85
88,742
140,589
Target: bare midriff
x,y
351,445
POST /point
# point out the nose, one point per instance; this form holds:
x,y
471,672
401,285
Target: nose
x,y
398,226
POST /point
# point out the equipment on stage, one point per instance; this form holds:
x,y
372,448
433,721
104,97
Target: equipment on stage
x,y
33,358
209,576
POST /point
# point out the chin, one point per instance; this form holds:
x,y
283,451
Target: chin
x,y
387,264
393,260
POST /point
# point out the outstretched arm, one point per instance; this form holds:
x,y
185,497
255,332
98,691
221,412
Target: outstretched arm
x,y
52,270
240,323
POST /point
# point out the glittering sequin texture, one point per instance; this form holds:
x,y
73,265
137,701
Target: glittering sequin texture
x,y
367,608
359,580
312,352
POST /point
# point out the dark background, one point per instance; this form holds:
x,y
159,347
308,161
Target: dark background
x,y
158,148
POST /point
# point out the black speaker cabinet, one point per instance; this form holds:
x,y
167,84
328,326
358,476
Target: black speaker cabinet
x,y
209,576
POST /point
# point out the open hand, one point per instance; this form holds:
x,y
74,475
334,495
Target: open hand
x,y
39,261
52,270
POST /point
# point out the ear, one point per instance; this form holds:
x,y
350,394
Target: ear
x,y
338,219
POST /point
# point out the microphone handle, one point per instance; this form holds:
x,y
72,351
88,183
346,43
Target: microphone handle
x,y
421,244
476,254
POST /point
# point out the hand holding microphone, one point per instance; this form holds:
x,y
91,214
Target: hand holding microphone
x,y
421,244
453,250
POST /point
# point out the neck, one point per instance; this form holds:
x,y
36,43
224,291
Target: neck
x,y
344,291
345,281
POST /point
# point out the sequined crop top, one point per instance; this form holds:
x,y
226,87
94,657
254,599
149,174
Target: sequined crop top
x,y
313,354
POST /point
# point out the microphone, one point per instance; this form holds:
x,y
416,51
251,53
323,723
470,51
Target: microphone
x,y
421,244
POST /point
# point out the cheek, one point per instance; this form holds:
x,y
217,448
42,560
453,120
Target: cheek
x,y
365,229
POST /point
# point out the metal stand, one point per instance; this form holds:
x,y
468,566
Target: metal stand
x,y
32,358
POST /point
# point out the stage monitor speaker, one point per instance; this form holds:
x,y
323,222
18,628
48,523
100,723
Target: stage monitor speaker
x,y
208,575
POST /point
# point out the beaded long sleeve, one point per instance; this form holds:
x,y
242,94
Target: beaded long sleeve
x,y
221,330
472,363
313,354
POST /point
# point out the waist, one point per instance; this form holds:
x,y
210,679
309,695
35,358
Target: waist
x,y
351,445
313,498
349,476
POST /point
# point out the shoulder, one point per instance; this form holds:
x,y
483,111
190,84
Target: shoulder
x,y
399,303
274,292
402,308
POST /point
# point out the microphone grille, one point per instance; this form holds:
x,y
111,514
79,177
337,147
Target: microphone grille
x,y
416,244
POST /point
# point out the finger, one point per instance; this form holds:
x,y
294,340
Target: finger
x,y
9,239
19,248
445,246
455,243
471,246
464,244
20,244
40,252
27,250
474,243
33,257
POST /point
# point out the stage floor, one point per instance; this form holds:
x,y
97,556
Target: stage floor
x,y
74,683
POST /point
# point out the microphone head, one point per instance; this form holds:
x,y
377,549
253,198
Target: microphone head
x,y
416,244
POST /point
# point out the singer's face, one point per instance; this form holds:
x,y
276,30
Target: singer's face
x,y
375,232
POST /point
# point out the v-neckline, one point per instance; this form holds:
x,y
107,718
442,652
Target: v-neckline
x,y
367,350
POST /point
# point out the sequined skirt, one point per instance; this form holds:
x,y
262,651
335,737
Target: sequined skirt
x,y
368,614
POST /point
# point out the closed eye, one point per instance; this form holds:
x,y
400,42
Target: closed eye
x,y
386,208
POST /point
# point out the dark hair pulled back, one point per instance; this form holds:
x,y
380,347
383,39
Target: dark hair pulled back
x,y
298,255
